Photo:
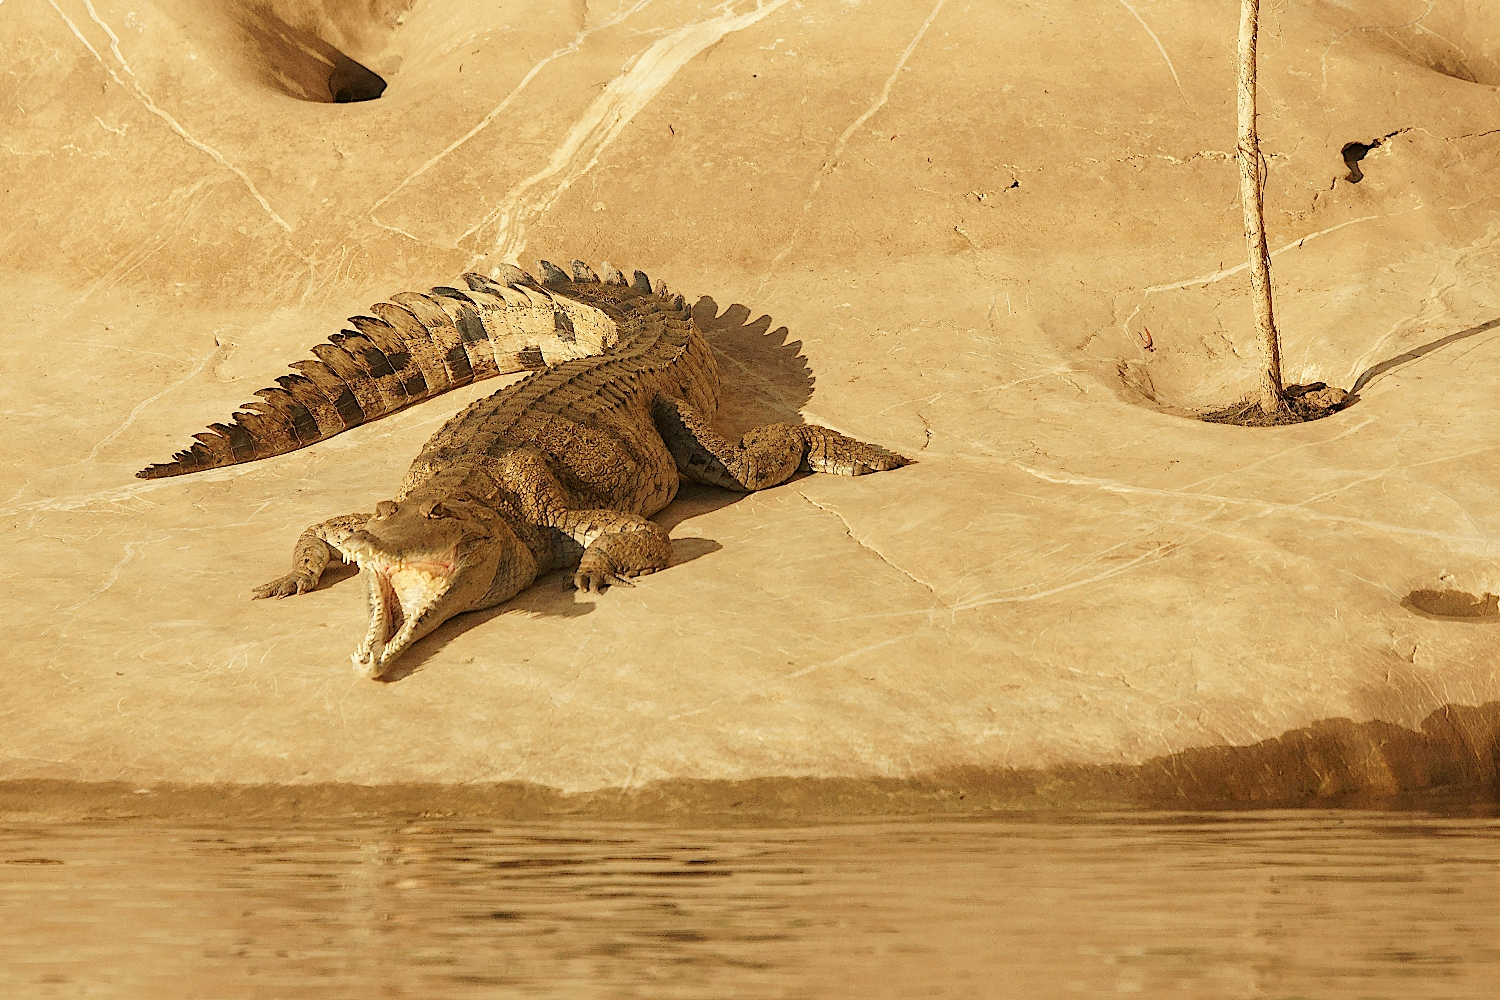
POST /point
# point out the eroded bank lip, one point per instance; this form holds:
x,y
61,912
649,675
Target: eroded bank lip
x,y
400,596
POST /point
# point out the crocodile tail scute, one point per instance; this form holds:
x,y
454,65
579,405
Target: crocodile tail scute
x,y
412,348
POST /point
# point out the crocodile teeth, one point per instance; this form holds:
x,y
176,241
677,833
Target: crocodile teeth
x,y
400,596
371,655
582,272
367,661
552,274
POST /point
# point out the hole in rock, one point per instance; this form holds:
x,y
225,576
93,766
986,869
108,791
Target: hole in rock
x,y
1354,152
1453,604
306,66
351,82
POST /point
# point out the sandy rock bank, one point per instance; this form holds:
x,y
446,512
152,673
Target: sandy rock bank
x,y
941,226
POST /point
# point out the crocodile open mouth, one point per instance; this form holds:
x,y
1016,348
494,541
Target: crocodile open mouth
x,y
402,598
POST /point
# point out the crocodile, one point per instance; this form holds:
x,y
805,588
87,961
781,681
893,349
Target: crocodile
x,y
562,468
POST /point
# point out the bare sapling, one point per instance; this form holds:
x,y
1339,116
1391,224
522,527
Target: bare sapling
x,y
1252,200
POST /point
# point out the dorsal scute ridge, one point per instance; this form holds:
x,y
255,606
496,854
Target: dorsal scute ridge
x,y
510,274
419,345
522,297
552,274
531,327
480,282
529,296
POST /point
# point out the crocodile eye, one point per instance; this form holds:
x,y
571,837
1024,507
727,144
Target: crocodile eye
x,y
385,509
435,509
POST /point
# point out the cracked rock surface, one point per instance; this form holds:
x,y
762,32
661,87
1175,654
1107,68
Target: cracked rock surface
x,y
1004,241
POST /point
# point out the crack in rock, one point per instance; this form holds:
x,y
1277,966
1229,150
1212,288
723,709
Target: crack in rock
x,y
849,529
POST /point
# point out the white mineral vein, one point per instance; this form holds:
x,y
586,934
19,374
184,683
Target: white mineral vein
x,y
1279,455
831,163
1159,46
852,654
643,78
1220,275
130,418
151,105
572,47
1323,62
146,249
1481,543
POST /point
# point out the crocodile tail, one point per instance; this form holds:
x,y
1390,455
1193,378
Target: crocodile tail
x,y
414,347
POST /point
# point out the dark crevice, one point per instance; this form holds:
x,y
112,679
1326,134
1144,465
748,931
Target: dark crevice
x,y
1353,153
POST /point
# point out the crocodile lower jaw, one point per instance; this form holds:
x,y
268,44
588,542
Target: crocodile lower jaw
x,y
402,598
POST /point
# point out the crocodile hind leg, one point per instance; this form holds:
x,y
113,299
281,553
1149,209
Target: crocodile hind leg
x,y
766,456
315,547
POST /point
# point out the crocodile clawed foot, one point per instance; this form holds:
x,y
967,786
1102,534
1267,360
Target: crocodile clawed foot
x,y
831,452
614,559
594,581
879,461
286,586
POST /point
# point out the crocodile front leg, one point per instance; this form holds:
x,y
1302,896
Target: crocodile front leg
x,y
315,547
766,456
616,545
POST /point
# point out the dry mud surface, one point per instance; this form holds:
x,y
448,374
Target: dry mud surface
x,y
948,227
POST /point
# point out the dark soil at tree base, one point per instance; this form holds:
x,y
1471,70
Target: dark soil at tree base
x,y
1302,403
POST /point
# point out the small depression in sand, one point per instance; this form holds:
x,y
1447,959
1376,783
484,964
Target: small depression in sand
x,y
1199,358
1449,40
1454,604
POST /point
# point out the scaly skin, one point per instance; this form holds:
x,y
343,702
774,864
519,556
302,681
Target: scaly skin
x,y
561,469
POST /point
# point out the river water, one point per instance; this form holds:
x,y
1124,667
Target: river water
x,y
1285,905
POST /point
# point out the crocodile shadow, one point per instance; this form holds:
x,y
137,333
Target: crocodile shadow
x,y
765,377
765,380
551,595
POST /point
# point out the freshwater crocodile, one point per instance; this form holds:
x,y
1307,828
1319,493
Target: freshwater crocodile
x,y
562,468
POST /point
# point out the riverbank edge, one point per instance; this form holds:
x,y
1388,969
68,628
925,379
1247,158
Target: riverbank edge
x,y
1450,765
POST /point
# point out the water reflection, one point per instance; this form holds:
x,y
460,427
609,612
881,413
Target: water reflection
x,y
1282,905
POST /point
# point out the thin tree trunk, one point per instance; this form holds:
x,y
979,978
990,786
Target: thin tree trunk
x,y
1252,200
